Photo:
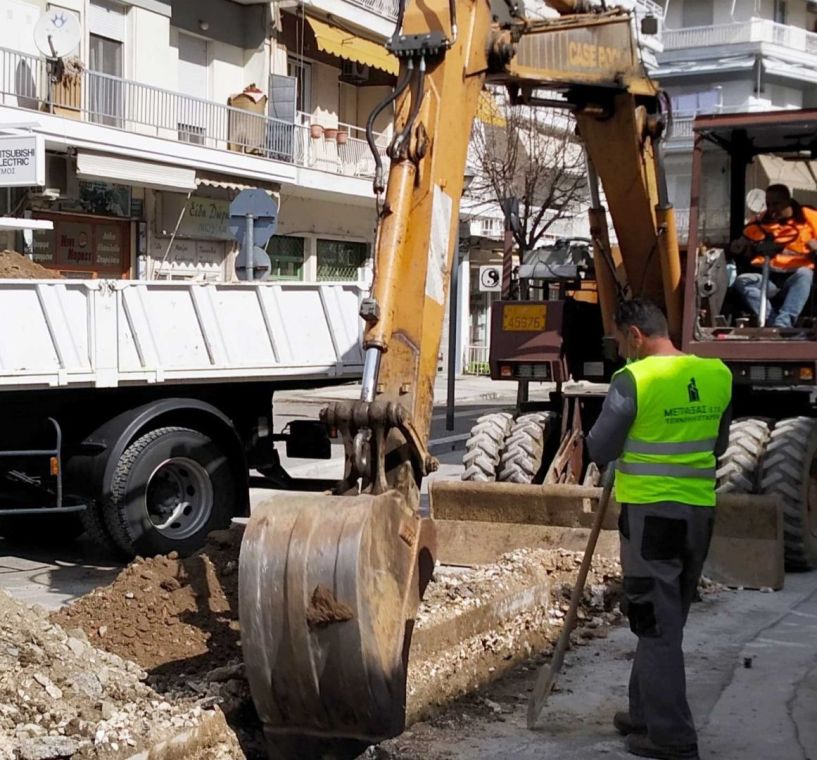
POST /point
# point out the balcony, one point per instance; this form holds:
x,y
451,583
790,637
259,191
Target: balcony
x,y
754,30
100,99
384,8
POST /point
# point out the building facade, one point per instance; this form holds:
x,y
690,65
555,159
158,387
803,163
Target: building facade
x,y
730,56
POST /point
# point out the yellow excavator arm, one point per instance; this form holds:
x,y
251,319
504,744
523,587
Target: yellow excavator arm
x,y
329,585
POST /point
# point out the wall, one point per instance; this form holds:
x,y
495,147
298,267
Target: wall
x,y
367,99
152,59
230,23
325,94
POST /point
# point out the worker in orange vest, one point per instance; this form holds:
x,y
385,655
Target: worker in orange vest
x,y
794,227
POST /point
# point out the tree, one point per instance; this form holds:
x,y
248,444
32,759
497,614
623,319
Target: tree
x,y
533,155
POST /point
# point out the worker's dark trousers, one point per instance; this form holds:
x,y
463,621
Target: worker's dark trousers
x,y
663,547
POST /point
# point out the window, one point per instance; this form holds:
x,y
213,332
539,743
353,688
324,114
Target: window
x,y
302,71
697,13
105,74
780,11
340,259
286,255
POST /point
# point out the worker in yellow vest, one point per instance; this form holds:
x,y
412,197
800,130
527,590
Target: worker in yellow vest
x,y
666,420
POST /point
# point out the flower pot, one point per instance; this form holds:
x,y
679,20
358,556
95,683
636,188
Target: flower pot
x,y
342,137
316,131
330,133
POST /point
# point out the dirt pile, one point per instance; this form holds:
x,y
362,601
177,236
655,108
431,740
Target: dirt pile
x,y
15,266
61,697
168,615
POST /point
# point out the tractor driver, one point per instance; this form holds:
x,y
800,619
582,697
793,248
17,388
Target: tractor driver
x,y
792,270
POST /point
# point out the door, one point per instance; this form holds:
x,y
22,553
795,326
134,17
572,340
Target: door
x,y
193,85
283,93
105,79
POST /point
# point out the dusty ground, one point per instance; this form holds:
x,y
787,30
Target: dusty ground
x,y
61,697
15,266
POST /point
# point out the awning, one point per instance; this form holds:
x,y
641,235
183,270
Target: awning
x,y
226,183
339,42
129,171
488,111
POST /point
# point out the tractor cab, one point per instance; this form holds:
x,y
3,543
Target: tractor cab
x,y
744,259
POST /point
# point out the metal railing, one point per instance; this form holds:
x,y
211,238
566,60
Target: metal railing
x,y
713,225
475,361
337,273
753,30
25,82
386,8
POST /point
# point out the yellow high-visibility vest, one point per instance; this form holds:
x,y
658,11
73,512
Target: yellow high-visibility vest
x,y
669,453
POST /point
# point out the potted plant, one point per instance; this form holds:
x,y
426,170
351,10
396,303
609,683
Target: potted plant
x,y
316,131
342,137
330,133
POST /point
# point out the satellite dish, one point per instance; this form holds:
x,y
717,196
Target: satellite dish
x,y
57,33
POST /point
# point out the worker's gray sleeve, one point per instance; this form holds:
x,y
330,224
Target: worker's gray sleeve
x,y
605,442
723,432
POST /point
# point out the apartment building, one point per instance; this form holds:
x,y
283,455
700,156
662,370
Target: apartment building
x,y
166,109
722,56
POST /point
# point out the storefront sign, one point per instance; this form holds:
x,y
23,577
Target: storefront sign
x,y
84,245
22,161
109,245
205,218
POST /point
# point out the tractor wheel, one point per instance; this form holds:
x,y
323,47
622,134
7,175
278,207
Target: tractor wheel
x,y
484,447
740,465
790,472
521,459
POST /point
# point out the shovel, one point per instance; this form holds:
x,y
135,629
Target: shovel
x,y
547,675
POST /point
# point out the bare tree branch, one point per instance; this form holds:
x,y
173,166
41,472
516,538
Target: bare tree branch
x,y
535,158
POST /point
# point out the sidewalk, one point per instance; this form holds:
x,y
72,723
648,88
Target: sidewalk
x,y
467,389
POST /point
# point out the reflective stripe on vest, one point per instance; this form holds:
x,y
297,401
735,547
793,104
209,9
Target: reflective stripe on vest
x,y
669,454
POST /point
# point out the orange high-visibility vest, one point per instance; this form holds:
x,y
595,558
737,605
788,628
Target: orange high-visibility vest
x,y
797,253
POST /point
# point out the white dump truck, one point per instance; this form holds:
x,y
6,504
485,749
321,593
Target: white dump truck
x,y
136,410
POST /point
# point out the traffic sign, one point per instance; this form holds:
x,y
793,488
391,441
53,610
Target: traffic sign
x,y
260,265
490,279
261,207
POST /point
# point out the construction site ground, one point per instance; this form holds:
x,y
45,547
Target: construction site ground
x,y
751,656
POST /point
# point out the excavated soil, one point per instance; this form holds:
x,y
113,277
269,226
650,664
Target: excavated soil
x,y
168,615
15,266
60,697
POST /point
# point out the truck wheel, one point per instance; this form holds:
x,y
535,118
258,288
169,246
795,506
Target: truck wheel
x,y
170,488
739,467
521,458
790,472
484,447
93,522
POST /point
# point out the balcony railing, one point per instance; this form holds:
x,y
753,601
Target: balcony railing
x,y
475,361
385,8
753,30
713,225
25,82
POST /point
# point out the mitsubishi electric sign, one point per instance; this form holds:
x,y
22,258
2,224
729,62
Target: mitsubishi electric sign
x,y
22,161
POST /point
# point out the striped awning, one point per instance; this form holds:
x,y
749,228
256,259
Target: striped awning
x,y
336,41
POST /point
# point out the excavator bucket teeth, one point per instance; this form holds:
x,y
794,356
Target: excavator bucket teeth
x,y
328,591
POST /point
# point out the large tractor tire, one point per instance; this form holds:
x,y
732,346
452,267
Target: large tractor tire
x,y
172,486
521,459
740,465
483,449
790,472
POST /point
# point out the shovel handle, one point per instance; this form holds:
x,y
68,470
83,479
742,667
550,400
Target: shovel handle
x,y
546,677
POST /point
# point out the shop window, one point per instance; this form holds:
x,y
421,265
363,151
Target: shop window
x,y
286,255
341,259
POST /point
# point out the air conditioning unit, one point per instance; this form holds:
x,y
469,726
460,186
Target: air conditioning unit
x,y
354,72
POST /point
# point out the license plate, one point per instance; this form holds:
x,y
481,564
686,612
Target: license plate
x,y
527,318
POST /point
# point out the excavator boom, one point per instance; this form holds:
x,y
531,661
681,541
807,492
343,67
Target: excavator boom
x,y
329,584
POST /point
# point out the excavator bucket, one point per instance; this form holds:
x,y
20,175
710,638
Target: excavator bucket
x,y
328,591
478,522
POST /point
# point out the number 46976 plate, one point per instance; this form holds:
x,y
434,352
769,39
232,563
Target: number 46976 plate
x,y
524,317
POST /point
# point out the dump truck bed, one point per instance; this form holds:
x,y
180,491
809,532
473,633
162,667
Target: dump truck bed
x,y
102,333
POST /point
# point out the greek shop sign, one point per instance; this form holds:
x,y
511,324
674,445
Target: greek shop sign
x,y
22,161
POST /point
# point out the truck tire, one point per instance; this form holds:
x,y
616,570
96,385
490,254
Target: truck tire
x,y
484,447
740,465
171,487
524,448
93,522
790,472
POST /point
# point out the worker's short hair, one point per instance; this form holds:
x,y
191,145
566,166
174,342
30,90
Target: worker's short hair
x,y
643,314
781,190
